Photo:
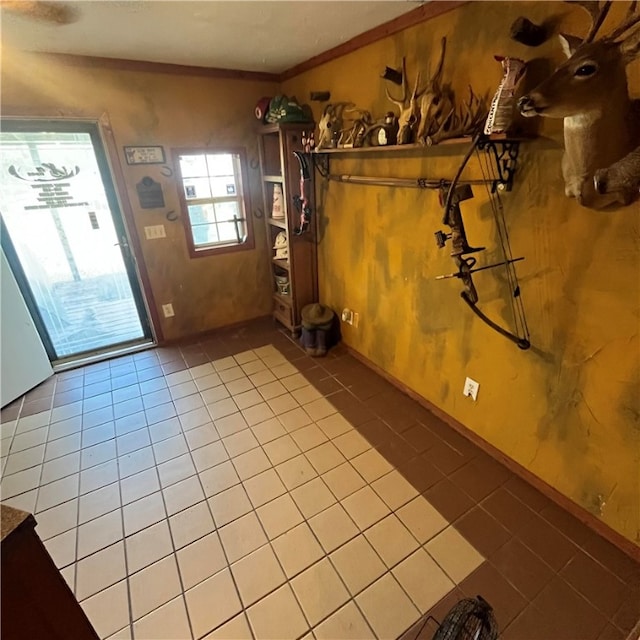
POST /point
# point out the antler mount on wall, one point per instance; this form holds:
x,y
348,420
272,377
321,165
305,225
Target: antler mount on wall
x,y
429,114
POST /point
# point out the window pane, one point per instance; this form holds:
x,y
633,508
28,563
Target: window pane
x,y
196,188
226,210
212,185
193,165
223,187
204,234
227,231
201,214
220,164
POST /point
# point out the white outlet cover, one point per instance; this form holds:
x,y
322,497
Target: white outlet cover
x,y
167,309
471,388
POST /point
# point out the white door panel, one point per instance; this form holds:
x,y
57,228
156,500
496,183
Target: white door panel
x,y
23,359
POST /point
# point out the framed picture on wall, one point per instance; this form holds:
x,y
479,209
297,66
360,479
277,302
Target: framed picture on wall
x,y
144,155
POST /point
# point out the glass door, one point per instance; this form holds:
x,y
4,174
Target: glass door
x,y
64,236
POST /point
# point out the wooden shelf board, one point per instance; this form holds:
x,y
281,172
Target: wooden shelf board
x,y
272,178
278,223
496,137
284,299
283,264
276,127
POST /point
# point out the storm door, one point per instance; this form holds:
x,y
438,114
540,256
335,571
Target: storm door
x,y
64,236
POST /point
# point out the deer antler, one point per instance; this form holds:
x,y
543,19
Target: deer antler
x,y
464,122
474,110
434,83
400,103
416,93
629,21
597,23
597,13
437,76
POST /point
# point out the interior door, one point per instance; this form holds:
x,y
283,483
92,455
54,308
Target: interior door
x,y
66,241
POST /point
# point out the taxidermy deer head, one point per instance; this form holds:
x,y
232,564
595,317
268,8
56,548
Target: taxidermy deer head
x,y
601,124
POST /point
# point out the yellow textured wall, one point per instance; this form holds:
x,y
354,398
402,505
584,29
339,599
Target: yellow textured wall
x,y
568,409
173,111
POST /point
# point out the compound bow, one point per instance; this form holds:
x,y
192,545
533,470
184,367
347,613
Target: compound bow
x,y
452,196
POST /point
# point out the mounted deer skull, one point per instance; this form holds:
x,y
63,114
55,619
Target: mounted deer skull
x,y
430,115
409,117
437,104
601,122
330,124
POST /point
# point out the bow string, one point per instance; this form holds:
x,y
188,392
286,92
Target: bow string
x,y
466,264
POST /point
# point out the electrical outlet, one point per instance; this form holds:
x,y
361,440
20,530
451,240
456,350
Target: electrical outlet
x,y
167,309
156,231
350,317
471,388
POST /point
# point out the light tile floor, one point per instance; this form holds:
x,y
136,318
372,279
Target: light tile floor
x,y
227,500
180,496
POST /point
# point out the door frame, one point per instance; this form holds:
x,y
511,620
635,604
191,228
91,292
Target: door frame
x,y
110,168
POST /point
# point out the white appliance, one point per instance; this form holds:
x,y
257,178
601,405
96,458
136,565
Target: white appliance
x,y
24,363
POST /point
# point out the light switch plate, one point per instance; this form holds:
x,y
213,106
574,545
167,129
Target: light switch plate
x,y
167,309
155,231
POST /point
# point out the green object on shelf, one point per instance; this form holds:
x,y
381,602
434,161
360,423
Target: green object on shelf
x,y
285,109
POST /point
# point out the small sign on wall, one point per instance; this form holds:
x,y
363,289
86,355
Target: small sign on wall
x,y
150,193
144,155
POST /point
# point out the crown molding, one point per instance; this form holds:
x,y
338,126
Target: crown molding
x,y
422,13
121,64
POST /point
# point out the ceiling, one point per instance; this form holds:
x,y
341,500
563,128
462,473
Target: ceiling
x,y
267,36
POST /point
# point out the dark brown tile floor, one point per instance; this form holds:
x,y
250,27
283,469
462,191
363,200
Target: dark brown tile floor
x,y
547,576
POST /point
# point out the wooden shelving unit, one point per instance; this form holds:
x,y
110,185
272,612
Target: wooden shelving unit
x,y
279,166
276,223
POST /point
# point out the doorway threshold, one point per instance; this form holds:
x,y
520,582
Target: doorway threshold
x,y
73,363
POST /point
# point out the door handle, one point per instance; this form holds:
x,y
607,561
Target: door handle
x,y
126,250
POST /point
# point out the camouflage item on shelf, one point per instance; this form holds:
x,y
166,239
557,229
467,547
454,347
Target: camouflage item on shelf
x,y
285,109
